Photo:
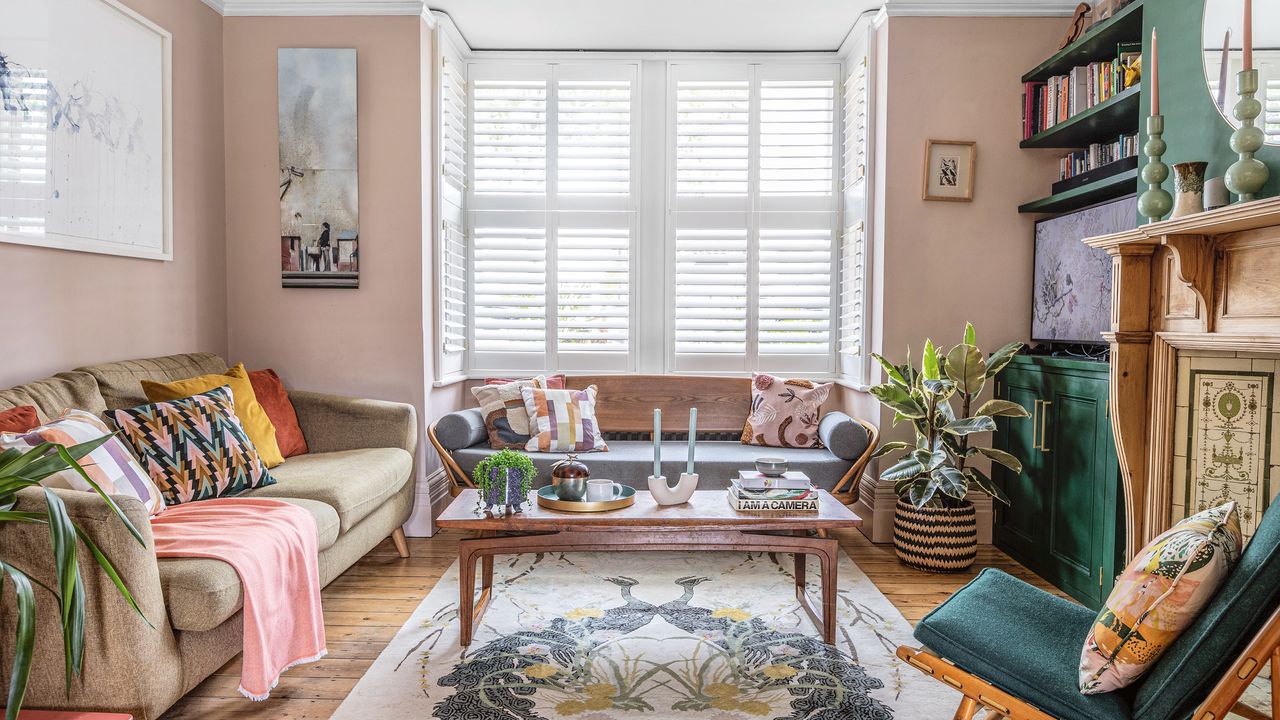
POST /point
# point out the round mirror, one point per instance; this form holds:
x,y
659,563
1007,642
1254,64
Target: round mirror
x,y
1224,57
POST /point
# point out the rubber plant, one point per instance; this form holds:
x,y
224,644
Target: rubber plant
x,y
934,470
21,469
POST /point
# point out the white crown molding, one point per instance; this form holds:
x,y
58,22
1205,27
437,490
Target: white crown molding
x,y
275,8
980,8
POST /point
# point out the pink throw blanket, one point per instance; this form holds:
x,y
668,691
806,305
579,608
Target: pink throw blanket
x,y
273,547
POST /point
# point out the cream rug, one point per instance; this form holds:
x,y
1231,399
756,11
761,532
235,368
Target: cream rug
x,y
629,636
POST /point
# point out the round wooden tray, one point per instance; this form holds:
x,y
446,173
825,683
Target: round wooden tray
x,y
547,499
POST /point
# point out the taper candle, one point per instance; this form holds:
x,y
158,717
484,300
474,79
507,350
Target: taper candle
x,y
693,431
1248,34
1155,75
657,442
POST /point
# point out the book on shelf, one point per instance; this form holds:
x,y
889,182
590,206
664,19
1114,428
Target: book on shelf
x,y
1097,155
1061,97
759,481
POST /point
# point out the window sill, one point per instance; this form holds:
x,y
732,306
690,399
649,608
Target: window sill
x,y
450,380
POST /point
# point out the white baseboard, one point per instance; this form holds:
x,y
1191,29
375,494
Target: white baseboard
x,y
431,498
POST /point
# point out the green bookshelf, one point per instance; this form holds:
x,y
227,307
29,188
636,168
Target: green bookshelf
x,y
1102,123
1108,188
1106,120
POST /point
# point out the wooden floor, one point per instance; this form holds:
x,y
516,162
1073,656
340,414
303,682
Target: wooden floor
x,y
365,608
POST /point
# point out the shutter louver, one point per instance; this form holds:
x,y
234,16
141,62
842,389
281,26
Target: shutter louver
x,y
24,153
855,124
453,125
711,290
795,291
594,138
593,272
852,287
508,305
711,137
453,290
509,136
1271,112
796,126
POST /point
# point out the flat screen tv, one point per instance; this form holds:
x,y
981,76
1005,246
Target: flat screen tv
x,y
1071,299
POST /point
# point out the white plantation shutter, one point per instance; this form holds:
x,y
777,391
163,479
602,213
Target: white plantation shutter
x,y
856,127
1271,111
23,154
452,243
754,217
552,216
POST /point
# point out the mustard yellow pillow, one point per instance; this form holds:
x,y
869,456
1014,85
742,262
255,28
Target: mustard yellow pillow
x,y
253,418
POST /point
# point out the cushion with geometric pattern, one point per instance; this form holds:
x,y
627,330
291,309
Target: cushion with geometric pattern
x,y
194,448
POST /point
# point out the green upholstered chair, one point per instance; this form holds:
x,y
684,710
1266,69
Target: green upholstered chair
x,y
1015,650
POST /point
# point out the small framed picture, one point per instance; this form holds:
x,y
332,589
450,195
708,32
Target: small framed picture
x,y
948,169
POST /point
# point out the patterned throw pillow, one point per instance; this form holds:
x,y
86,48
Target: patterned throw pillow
x,y
111,465
1159,595
195,447
551,382
563,420
504,413
784,413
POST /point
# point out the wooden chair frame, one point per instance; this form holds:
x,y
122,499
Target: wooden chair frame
x,y
1223,699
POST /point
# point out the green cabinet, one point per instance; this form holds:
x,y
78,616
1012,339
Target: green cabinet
x,y
1064,520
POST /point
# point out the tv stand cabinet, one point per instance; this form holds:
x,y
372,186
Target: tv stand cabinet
x,y
1064,521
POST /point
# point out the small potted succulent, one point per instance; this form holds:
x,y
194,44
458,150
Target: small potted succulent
x,y
504,479
935,526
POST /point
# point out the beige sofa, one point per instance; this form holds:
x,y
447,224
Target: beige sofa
x,y
356,481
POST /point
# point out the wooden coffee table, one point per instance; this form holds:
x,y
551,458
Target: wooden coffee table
x,y
706,522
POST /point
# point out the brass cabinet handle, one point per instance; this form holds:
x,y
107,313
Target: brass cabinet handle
x,y
1035,423
1044,421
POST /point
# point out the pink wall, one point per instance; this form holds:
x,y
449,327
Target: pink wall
x,y
374,341
67,309
943,263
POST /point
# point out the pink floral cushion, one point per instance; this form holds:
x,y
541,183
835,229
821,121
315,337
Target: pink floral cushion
x,y
784,413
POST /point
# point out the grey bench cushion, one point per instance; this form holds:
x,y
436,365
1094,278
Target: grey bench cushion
x,y
461,429
845,438
631,461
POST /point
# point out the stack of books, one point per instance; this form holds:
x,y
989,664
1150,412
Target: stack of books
x,y
1058,99
755,492
1097,155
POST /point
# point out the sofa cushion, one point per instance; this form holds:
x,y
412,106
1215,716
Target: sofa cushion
x,y
353,482
52,395
253,417
1022,640
631,461
19,419
461,429
121,382
269,390
202,593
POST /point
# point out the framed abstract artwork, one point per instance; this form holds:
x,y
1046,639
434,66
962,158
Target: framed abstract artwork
x,y
85,128
949,167
319,179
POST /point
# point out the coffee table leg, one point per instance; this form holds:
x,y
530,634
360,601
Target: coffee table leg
x,y
801,560
466,591
486,573
830,582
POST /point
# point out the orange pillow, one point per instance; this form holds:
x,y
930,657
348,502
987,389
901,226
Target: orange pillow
x,y
257,425
19,419
275,400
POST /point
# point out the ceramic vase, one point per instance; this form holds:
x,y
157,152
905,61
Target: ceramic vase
x,y
505,492
665,494
1188,188
1247,175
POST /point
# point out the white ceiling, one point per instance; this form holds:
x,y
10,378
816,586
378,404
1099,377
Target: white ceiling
x,y
759,25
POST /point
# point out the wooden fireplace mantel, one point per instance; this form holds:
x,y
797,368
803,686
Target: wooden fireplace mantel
x,y
1208,282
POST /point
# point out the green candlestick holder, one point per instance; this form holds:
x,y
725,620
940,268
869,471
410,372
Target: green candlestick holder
x,y
1247,175
1155,202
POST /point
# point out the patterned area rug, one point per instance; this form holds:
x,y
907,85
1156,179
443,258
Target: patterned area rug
x,y
595,636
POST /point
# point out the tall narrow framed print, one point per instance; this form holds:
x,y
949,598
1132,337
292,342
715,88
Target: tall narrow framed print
x,y
319,183
85,128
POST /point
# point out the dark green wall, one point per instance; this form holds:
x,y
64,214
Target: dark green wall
x,y
1192,126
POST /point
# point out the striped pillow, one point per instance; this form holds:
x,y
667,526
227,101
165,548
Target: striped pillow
x,y
111,465
562,420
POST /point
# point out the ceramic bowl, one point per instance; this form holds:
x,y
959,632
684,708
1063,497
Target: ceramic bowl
x,y
771,466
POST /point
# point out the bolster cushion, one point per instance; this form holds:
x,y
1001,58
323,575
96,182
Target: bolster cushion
x,y
461,429
845,438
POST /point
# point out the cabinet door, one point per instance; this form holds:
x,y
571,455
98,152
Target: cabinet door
x,y
1075,437
1019,527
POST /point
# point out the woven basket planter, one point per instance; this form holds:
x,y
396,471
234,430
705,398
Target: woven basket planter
x,y
936,539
